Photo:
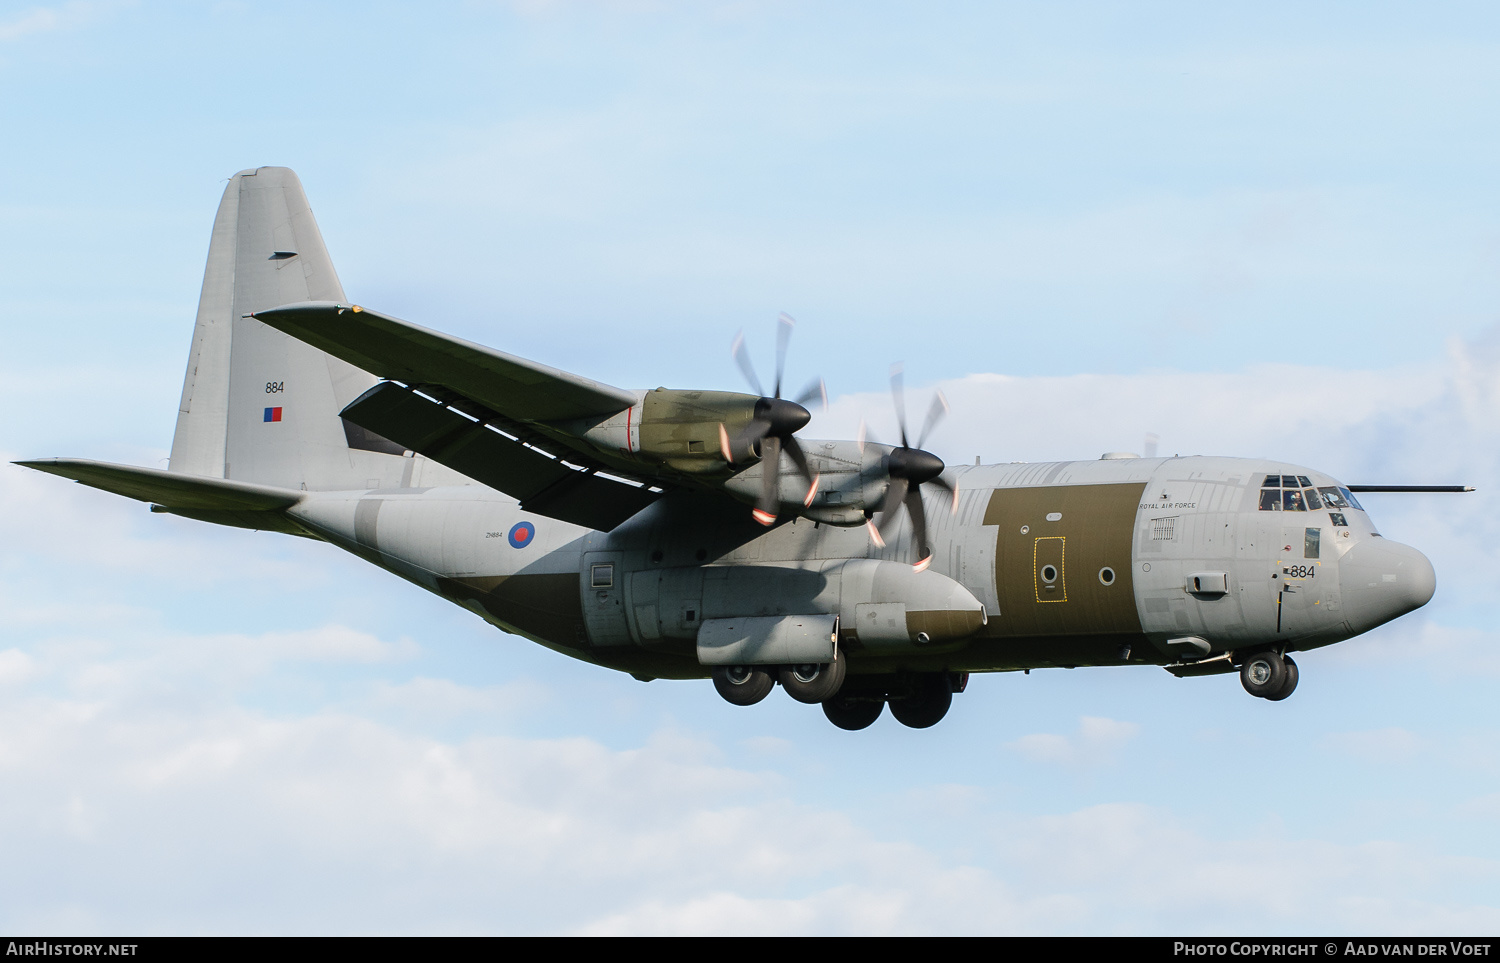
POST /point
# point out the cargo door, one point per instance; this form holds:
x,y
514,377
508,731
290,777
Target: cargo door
x,y
1049,578
603,587
645,592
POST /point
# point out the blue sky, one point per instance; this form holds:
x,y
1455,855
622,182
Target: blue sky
x,y
1254,230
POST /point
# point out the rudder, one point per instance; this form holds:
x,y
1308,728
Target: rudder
x,y
258,405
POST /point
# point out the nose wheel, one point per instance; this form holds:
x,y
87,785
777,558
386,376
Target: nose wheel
x,y
1269,676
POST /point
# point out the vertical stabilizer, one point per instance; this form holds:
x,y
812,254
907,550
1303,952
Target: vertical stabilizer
x,y
259,405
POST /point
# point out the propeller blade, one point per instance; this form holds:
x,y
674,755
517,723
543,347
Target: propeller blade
x,y
742,445
784,324
742,358
894,495
724,448
934,415
794,451
918,513
898,393
874,533
770,478
815,389
951,489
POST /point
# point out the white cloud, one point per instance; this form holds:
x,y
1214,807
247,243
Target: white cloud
x,y
66,16
1097,741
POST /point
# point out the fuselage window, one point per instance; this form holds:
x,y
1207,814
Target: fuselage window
x,y
602,576
1339,521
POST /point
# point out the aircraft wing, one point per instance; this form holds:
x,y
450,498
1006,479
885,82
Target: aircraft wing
x,y
542,482
400,351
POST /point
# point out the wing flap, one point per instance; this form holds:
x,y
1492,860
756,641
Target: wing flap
x,y
544,485
401,351
171,490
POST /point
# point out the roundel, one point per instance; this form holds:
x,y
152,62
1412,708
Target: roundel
x,y
522,534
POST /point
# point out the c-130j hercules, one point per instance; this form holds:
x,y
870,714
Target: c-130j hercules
x,y
685,534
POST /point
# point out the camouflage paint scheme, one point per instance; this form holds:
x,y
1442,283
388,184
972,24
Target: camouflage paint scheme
x,y
1168,561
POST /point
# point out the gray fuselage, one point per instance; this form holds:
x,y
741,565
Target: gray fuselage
x,y
1103,562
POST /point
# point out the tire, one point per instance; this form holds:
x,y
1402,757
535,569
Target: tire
x,y
1288,684
926,705
1263,674
853,714
812,683
743,685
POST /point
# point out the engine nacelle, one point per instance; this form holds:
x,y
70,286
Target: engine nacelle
x,y
667,426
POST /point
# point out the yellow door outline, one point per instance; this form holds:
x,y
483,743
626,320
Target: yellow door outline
x,y
1062,571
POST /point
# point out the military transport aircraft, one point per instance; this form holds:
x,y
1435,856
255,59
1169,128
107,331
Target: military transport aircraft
x,y
688,534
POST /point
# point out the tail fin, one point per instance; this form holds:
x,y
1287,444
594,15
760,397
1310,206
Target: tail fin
x,y
258,405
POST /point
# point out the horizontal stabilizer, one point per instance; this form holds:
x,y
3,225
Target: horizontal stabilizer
x,y
171,490
400,351
544,485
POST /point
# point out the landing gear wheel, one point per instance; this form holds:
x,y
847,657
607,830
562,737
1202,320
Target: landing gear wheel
x,y
1289,684
743,685
1263,674
812,683
849,713
926,705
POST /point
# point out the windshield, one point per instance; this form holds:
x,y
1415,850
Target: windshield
x,y
1296,493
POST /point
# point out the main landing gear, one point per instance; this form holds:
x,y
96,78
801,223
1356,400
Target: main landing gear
x,y
1267,675
917,700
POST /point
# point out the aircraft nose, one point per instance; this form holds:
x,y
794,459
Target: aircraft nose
x,y
1381,580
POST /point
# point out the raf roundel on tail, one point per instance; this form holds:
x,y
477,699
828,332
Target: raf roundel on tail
x,y
695,534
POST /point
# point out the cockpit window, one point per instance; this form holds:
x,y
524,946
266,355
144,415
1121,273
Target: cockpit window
x,y
1333,499
1313,504
1288,481
1291,501
1353,502
1270,500
1304,481
1272,481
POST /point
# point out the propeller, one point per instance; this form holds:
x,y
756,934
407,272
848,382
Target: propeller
x,y
909,468
774,421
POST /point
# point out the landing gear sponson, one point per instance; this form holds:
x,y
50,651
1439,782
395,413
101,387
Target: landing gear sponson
x,y
917,700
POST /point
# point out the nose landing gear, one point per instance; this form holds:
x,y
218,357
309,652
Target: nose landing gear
x,y
1269,676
